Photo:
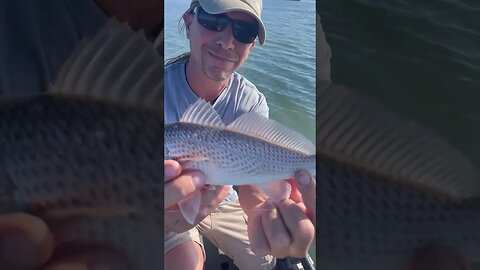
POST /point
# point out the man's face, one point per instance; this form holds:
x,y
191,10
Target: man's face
x,y
217,54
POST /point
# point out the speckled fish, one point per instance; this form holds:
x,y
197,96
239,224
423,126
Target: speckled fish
x,y
387,187
91,147
252,150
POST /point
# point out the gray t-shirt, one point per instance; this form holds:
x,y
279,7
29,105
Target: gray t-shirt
x,y
240,96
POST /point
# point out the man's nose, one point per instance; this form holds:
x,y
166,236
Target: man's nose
x,y
225,38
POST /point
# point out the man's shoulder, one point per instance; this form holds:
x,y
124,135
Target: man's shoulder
x,y
247,97
245,88
175,66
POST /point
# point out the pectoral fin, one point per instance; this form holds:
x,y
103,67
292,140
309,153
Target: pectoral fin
x,y
190,206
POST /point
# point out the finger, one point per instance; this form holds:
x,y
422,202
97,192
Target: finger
x,y
258,241
172,169
277,235
87,258
25,241
212,198
299,225
295,195
182,186
307,187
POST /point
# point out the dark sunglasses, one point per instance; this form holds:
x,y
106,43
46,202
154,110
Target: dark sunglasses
x,y
243,31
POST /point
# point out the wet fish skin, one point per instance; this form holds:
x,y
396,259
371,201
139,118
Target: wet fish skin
x,y
231,158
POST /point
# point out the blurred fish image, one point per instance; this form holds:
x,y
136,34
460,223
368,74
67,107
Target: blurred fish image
x,y
91,147
388,187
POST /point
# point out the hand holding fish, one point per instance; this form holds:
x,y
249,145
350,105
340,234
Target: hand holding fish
x,y
285,228
179,186
306,186
28,243
183,186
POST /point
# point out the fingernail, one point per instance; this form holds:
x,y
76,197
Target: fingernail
x,y
170,171
303,178
198,180
17,249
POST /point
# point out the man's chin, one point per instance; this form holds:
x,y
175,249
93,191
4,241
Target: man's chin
x,y
218,76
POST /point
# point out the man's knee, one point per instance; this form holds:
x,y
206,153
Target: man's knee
x,y
187,255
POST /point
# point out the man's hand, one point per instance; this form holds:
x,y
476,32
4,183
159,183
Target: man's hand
x,y
283,229
180,185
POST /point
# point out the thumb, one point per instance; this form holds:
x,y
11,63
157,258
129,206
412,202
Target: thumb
x,y
307,187
25,241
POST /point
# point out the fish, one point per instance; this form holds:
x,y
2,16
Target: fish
x,y
252,150
90,149
388,187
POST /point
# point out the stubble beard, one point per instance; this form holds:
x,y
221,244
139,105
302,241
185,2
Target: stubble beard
x,y
214,73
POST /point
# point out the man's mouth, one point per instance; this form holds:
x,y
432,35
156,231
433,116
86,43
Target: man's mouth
x,y
221,57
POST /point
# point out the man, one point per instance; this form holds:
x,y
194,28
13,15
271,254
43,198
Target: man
x,y
221,35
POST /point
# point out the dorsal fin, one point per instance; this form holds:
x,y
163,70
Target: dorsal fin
x,y
117,65
252,124
364,134
202,113
267,129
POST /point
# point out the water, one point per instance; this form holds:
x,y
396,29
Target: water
x,y
419,58
283,69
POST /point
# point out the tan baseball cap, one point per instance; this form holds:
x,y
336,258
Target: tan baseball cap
x,y
252,7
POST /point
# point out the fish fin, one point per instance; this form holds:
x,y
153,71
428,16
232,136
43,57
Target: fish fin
x,y
267,129
190,206
116,65
202,113
362,133
87,211
277,191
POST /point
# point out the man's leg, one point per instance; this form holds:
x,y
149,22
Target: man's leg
x,y
184,251
226,228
